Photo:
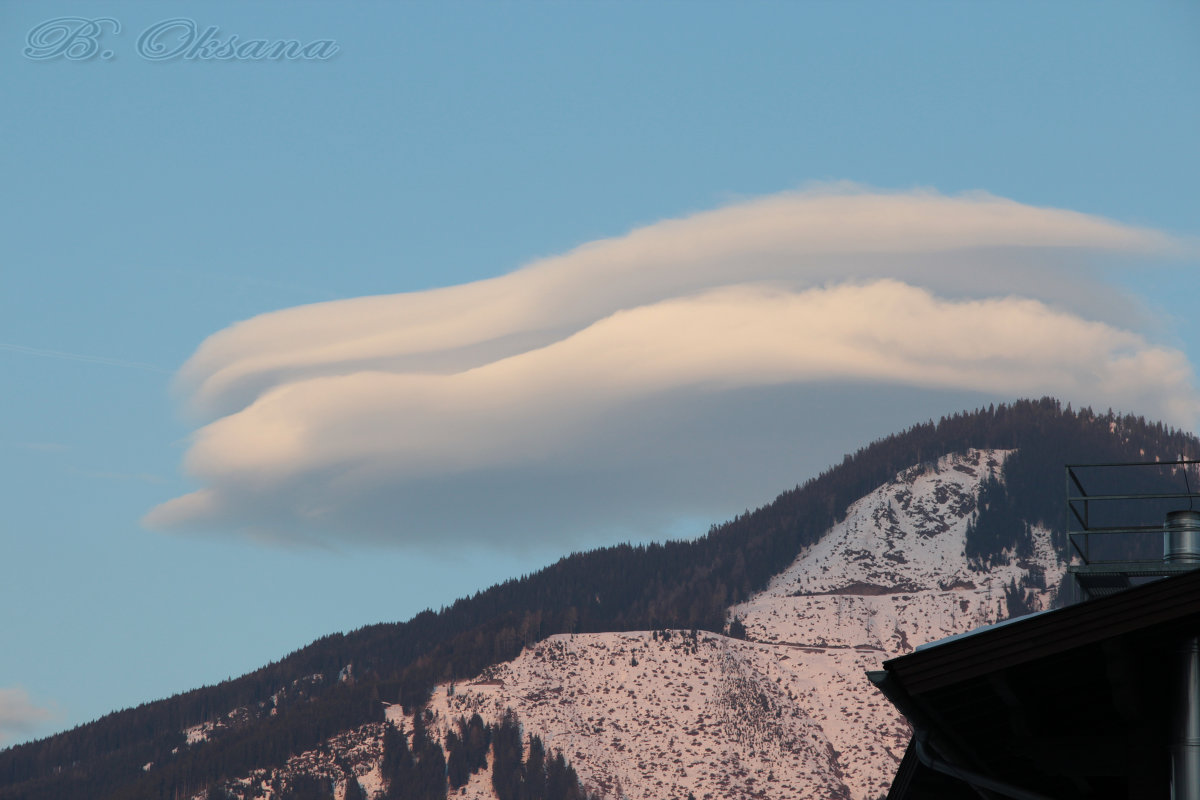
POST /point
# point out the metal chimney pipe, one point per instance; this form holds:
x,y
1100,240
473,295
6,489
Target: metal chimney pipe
x,y
1181,545
1185,733
1181,537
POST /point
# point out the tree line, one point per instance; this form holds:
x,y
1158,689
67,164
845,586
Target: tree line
x,y
422,769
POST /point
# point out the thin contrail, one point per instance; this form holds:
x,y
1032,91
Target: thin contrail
x,y
61,354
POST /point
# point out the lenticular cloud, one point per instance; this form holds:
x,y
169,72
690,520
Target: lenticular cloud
x,y
673,371
19,716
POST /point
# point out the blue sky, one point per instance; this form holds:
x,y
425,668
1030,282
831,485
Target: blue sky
x,y
150,205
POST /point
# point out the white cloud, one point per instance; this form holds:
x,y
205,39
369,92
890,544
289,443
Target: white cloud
x,y
587,392
948,244
19,716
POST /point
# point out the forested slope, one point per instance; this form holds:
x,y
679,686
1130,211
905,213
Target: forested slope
x,y
671,585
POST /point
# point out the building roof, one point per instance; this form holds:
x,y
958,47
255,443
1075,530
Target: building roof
x,y
1071,703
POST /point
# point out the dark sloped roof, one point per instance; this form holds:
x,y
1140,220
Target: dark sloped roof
x,y
1072,703
914,780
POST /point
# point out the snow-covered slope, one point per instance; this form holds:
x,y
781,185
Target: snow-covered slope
x,y
893,574
787,713
662,714
356,752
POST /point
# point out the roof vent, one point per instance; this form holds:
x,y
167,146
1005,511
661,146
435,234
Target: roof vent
x,y
1181,537
1116,511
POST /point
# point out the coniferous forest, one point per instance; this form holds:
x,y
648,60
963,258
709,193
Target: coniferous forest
x,y
415,767
682,584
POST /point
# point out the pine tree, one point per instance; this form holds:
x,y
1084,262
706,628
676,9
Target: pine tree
x,y
429,779
535,770
557,784
478,739
398,765
458,770
354,790
506,757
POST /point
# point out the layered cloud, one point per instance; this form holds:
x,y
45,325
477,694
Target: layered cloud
x,y
19,716
669,372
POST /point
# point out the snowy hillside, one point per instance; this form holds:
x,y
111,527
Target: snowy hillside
x,y
893,574
789,713
659,715
786,713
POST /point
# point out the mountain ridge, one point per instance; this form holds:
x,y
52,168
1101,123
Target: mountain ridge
x,y
682,585
786,712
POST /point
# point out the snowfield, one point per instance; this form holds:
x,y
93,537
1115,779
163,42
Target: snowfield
x,y
894,574
786,713
658,715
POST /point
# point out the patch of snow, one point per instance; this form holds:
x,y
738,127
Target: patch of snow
x,y
198,733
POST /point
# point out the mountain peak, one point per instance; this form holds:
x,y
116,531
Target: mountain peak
x,y
788,712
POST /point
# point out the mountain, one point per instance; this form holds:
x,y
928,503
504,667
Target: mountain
x,y
925,533
788,712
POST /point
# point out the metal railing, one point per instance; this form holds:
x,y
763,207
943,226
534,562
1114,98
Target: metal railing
x,y
1113,509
